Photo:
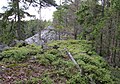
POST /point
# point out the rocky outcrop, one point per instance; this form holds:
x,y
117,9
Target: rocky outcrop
x,y
48,34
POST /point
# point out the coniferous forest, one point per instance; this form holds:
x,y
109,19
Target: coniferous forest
x,y
80,45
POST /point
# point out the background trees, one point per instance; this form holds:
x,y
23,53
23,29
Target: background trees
x,y
94,20
66,18
103,22
12,25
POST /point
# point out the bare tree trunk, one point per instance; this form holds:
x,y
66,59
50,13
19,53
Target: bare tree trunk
x,y
109,51
40,27
75,30
19,20
115,52
103,6
101,43
116,44
75,20
101,36
39,34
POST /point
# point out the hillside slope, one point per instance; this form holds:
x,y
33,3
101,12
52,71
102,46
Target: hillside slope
x,y
51,65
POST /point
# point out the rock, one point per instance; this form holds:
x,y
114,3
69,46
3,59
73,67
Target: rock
x,y
48,34
34,40
3,47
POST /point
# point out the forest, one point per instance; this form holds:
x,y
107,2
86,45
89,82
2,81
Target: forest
x,y
80,45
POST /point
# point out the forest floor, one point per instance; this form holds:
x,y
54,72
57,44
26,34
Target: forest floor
x,y
33,65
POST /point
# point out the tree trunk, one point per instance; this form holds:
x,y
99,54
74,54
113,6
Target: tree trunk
x,y
19,21
75,30
101,36
59,34
75,22
101,43
39,34
115,52
19,35
109,51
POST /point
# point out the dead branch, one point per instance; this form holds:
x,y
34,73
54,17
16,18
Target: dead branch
x,y
71,57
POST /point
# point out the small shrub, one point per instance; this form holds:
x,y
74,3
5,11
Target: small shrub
x,y
47,80
20,54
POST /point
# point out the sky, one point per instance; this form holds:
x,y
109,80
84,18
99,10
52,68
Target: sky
x,y
46,13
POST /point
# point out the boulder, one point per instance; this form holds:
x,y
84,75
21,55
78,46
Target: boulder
x,y
48,34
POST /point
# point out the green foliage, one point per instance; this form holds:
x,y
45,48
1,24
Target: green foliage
x,y
115,4
42,60
116,74
94,66
48,57
47,80
59,18
9,24
77,79
100,24
7,32
57,67
33,26
19,54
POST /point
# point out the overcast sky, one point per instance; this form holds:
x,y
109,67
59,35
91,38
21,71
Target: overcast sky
x,y
46,12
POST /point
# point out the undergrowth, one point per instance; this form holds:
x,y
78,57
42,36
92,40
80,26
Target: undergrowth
x,y
55,67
